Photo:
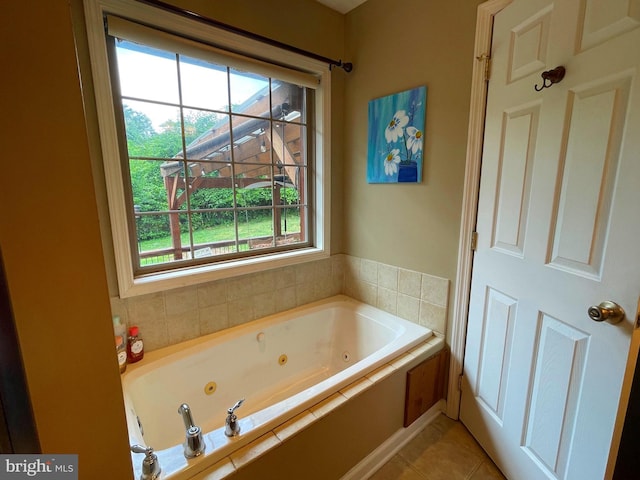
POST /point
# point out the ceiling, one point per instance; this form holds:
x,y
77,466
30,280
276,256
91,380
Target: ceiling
x,y
342,6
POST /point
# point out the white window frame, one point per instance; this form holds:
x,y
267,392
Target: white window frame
x,y
128,283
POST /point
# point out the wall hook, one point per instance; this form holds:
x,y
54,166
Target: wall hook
x,y
550,77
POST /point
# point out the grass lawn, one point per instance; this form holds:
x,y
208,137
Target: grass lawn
x,y
259,227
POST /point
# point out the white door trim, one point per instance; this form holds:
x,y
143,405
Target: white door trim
x,y
484,29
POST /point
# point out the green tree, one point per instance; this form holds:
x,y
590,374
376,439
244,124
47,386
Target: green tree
x,y
168,143
139,130
149,193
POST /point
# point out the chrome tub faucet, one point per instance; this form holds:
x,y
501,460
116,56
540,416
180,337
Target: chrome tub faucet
x,y
231,425
150,467
194,443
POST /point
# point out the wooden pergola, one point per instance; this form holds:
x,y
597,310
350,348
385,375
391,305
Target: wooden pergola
x,y
256,149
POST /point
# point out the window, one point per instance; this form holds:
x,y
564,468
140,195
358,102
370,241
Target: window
x,y
214,161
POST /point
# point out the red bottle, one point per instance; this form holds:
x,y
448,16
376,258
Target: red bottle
x,y
135,347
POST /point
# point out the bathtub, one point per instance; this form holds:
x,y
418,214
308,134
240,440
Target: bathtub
x,y
281,366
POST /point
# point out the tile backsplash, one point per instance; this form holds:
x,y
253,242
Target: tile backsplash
x,y
173,316
414,296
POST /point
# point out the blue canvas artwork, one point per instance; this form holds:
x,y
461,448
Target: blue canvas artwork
x,y
396,137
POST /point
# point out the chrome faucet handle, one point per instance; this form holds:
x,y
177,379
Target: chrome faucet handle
x,y
235,407
231,425
194,443
140,449
150,466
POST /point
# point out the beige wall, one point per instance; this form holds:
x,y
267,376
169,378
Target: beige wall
x,y
51,243
396,46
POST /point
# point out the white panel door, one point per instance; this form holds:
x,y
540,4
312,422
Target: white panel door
x,y
558,231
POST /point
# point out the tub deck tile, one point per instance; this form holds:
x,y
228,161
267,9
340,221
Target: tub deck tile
x,y
218,471
381,373
400,362
356,387
295,425
423,348
326,406
255,449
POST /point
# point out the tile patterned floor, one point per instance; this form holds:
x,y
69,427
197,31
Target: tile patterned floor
x,y
444,450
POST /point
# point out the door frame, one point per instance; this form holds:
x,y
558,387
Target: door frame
x,y
475,139
18,433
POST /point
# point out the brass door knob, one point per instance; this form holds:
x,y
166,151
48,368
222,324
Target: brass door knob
x,y
607,311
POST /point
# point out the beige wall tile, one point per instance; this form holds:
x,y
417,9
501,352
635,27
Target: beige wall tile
x,y
369,271
240,311
285,277
388,277
213,293
305,272
337,286
180,301
263,282
433,317
387,300
409,282
323,288
264,304
213,319
183,326
146,307
351,286
305,293
240,287
408,308
338,264
155,333
365,292
148,313
352,266
323,268
285,298
434,290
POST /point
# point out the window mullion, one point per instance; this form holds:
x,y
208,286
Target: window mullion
x,y
233,163
185,161
272,162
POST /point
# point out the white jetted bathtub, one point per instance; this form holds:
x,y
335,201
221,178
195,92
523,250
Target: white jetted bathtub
x,y
280,365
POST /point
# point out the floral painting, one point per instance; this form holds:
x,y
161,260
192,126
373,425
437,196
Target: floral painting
x,y
396,137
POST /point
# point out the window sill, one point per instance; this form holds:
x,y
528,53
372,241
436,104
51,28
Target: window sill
x,y
160,281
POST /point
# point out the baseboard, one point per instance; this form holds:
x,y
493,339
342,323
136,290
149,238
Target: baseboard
x,y
381,455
